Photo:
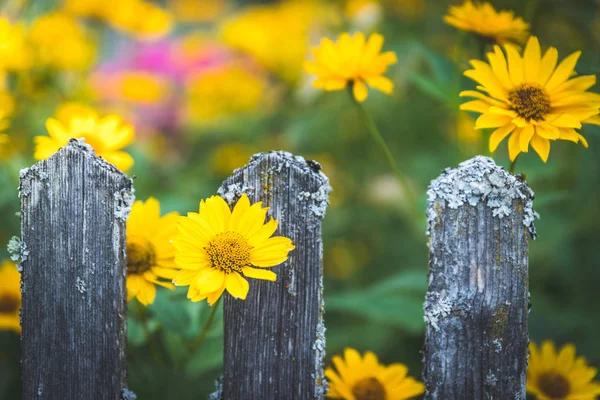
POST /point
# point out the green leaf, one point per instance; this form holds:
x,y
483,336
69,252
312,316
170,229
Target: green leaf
x,y
411,280
208,356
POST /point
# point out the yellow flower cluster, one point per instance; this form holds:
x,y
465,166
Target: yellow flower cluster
x,y
224,91
277,36
54,40
139,18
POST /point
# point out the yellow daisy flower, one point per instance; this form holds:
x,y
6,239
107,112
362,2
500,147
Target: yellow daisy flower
x,y
484,20
364,378
107,135
354,61
150,254
531,99
560,376
10,297
216,246
14,52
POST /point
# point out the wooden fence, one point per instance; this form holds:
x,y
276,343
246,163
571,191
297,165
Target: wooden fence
x,y
74,207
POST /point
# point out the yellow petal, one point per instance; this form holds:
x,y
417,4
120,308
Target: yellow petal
x,y
515,65
119,159
271,252
513,145
491,121
263,233
359,90
542,147
57,131
532,60
500,68
185,277
258,273
239,210
381,83
499,135
563,71
209,280
525,137
479,106
237,286
547,65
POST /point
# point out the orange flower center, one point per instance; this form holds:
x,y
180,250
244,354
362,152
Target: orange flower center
x,y
369,389
530,101
9,304
229,252
554,385
140,256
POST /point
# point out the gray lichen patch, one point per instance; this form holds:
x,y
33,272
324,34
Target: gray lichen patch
x,y
481,180
233,192
18,251
123,201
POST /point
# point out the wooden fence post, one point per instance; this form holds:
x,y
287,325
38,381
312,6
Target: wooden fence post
x,y
275,339
480,218
73,211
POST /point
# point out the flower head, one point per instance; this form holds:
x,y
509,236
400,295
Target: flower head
x,y
107,135
553,375
217,247
531,99
10,297
61,42
149,250
15,54
139,18
484,20
352,60
364,378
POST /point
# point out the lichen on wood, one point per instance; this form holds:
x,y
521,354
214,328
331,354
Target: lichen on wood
x,y
480,220
73,277
275,339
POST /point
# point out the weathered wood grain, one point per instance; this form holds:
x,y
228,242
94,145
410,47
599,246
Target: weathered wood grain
x,y
73,211
275,339
480,219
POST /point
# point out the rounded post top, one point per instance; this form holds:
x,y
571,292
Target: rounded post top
x,y
477,180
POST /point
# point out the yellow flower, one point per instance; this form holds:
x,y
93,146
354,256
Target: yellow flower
x,y
10,297
61,42
197,11
277,35
359,378
107,135
142,19
224,92
85,8
149,250
216,246
354,61
142,87
67,110
560,376
484,20
531,98
15,54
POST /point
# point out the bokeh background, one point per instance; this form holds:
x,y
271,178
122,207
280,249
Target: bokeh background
x,y
209,83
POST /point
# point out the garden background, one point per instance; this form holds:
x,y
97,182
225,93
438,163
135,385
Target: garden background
x,y
207,84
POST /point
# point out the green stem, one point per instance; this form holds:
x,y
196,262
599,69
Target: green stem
x,y
202,336
149,336
372,128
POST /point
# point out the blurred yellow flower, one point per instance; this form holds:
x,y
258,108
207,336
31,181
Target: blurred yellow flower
x,y
70,109
150,254
7,108
230,156
197,11
344,258
139,18
553,375
277,35
484,20
216,246
142,87
15,54
61,43
364,14
531,98
10,297
224,92
107,135
353,61
364,378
